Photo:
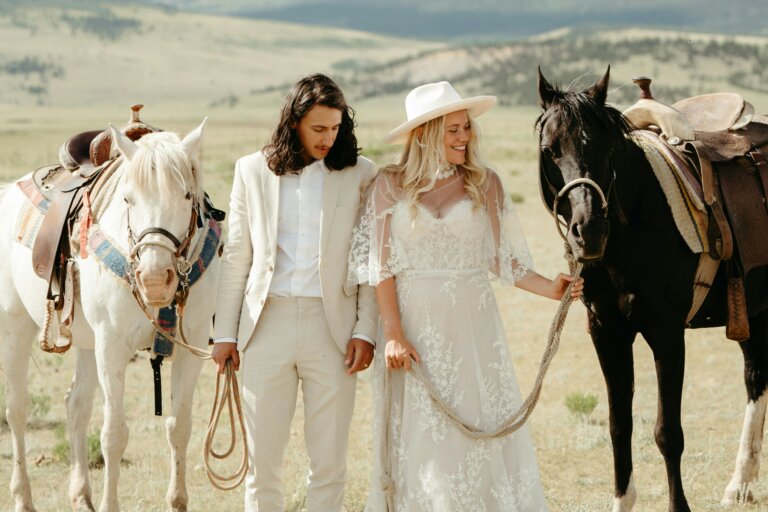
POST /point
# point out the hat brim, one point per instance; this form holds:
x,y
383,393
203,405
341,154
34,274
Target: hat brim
x,y
476,106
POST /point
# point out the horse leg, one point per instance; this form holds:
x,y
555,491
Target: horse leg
x,y
668,345
184,373
111,360
17,333
613,344
756,380
79,403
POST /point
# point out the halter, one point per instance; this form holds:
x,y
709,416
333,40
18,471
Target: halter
x,y
576,183
170,243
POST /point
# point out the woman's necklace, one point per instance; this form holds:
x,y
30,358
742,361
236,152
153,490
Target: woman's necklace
x,y
446,173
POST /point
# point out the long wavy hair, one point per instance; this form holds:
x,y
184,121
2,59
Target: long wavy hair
x,y
423,155
284,152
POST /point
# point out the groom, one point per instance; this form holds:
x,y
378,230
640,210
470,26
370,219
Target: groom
x,y
282,300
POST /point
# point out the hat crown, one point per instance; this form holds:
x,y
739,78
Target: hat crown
x,y
429,97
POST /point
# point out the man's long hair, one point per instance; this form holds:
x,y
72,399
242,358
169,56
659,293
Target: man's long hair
x,y
284,152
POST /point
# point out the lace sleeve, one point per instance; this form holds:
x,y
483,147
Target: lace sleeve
x,y
508,255
372,255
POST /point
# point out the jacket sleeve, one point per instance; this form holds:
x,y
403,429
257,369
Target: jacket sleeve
x,y
236,261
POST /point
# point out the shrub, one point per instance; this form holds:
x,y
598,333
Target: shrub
x,y
581,405
61,449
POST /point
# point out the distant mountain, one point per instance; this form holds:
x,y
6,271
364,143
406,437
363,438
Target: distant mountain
x,y
681,64
495,19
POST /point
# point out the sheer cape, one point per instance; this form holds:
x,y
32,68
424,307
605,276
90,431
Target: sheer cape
x,y
374,256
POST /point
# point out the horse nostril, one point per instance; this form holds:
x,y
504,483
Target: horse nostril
x,y
169,277
576,230
137,276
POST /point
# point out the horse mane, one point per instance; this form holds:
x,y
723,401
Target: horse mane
x,y
161,164
581,107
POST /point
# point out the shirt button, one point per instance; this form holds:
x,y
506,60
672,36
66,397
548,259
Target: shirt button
x,y
270,269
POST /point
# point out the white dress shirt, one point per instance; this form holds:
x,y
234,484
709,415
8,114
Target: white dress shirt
x,y
297,266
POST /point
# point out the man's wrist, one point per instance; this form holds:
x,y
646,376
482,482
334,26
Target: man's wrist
x,y
364,338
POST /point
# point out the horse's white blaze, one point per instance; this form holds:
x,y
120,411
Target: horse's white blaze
x,y
748,458
108,322
627,502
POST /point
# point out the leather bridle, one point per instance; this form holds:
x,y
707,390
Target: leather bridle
x,y
169,242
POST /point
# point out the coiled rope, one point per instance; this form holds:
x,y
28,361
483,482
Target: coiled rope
x,y
230,393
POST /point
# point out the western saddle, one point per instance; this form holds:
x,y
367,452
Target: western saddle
x,y
725,145
86,162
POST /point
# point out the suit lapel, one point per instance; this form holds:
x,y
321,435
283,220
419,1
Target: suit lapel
x,y
271,202
331,190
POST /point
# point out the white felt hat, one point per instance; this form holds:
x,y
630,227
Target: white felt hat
x,y
430,101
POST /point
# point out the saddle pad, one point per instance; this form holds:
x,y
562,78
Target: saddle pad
x,y
687,208
31,214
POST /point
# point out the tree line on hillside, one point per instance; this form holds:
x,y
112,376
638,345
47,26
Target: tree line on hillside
x,y
512,74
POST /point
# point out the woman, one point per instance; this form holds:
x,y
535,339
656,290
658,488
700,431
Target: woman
x,y
435,227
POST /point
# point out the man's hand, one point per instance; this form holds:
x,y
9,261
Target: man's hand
x,y
359,355
223,351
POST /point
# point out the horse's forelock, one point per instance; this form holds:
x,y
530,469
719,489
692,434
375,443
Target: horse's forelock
x,y
579,108
161,164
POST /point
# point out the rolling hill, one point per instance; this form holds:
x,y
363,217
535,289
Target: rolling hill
x,y
495,19
86,56
108,54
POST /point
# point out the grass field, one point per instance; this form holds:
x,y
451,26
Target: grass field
x,y
187,66
574,451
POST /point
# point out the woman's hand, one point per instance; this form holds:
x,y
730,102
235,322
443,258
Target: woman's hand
x,y
399,352
560,284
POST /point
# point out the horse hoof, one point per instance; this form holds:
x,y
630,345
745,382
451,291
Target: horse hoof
x,y
737,495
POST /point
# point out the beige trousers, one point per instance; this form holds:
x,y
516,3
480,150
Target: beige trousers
x,y
292,344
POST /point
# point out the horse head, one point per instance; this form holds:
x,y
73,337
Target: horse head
x,y
578,135
163,193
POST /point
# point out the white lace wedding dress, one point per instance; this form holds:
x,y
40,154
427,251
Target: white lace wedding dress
x,y
442,252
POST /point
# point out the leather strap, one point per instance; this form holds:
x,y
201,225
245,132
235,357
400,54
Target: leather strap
x,y
718,232
761,168
156,363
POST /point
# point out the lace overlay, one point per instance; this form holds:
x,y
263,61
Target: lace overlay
x,y
443,254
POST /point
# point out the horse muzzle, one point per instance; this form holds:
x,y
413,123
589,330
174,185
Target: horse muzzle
x,y
588,238
157,287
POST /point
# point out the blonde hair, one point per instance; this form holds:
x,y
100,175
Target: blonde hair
x,y
423,155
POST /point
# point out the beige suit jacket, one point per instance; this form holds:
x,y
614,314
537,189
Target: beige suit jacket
x,y
251,250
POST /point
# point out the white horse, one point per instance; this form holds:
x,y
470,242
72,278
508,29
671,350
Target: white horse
x,y
159,186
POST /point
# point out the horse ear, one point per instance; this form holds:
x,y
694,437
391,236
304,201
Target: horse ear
x,y
546,91
191,143
599,91
126,146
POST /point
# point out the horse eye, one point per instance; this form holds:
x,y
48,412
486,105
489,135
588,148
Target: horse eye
x,y
552,150
188,196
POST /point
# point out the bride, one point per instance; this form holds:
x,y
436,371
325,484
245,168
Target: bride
x,y
436,227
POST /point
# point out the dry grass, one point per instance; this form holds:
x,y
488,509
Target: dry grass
x,y
575,455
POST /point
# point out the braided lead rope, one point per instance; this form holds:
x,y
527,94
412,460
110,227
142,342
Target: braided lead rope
x,y
512,424
229,393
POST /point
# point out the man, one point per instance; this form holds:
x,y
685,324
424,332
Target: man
x,y
283,302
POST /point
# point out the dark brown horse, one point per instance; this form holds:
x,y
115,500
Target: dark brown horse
x,y
639,275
